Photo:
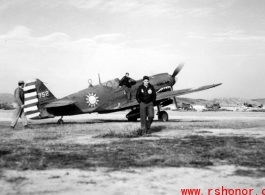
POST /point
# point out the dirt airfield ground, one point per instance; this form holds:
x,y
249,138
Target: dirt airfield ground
x,y
102,154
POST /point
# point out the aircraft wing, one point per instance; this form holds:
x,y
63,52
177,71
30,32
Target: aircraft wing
x,y
59,103
164,95
169,94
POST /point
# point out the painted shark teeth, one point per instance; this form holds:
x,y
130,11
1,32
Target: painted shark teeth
x,y
163,88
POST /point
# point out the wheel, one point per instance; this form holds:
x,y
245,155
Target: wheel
x,y
215,107
60,122
163,116
132,119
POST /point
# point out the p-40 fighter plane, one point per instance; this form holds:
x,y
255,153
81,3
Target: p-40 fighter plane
x,y
103,98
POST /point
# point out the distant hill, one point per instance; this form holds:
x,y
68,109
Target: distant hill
x,y
233,102
226,102
6,97
191,101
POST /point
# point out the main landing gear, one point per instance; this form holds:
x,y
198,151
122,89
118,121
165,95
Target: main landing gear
x,y
133,115
60,121
162,115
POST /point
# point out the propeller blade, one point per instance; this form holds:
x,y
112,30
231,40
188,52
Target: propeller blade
x,y
175,102
178,69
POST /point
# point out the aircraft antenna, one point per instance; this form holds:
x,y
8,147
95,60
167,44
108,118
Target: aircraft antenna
x,y
99,79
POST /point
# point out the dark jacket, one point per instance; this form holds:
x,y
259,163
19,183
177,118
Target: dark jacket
x,y
19,96
146,94
127,81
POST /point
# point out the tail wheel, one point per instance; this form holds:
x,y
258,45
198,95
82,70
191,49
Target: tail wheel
x,y
60,122
163,116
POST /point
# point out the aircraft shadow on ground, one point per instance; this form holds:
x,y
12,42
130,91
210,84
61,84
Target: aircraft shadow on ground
x,y
187,121
120,121
82,122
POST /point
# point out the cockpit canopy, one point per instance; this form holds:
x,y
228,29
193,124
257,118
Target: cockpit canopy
x,y
113,84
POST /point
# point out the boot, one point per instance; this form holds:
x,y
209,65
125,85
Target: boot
x,y
27,127
143,132
149,122
148,131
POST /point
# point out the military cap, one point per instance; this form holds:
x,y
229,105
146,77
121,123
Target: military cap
x,y
21,82
145,77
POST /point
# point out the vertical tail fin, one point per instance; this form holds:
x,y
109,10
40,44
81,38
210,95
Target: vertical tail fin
x,y
44,94
36,94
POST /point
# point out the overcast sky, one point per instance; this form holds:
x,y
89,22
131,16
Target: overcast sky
x,y
66,42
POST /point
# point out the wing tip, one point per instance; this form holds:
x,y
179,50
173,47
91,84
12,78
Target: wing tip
x,y
215,85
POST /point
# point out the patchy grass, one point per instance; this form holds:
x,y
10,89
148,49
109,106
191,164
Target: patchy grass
x,y
16,179
47,146
204,132
257,110
124,134
219,125
192,151
127,131
258,173
51,135
133,131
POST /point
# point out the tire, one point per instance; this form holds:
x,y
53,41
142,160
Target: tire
x,y
60,122
163,116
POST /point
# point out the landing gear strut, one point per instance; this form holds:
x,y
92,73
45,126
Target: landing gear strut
x,y
162,115
60,121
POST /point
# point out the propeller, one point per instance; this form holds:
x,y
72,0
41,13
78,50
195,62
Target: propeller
x,y
178,69
175,73
175,102
174,99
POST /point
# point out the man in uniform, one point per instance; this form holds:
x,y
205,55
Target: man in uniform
x,y
146,97
127,82
19,105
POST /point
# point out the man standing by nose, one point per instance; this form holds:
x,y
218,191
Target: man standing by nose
x,y
146,97
19,106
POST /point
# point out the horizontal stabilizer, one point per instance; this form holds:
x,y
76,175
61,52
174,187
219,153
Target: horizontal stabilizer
x,y
59,103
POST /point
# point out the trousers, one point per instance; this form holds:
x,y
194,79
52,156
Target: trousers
x,y
18,112
128,92
147,115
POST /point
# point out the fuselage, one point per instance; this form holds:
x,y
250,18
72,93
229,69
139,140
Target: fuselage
x,y
109,97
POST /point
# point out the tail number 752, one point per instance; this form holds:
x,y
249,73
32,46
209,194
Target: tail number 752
x,y
43,94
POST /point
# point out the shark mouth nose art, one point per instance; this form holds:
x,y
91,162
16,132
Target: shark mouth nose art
x,y
167,88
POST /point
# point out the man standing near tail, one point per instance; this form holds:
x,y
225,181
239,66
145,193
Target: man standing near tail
x,y
19,106
146,97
